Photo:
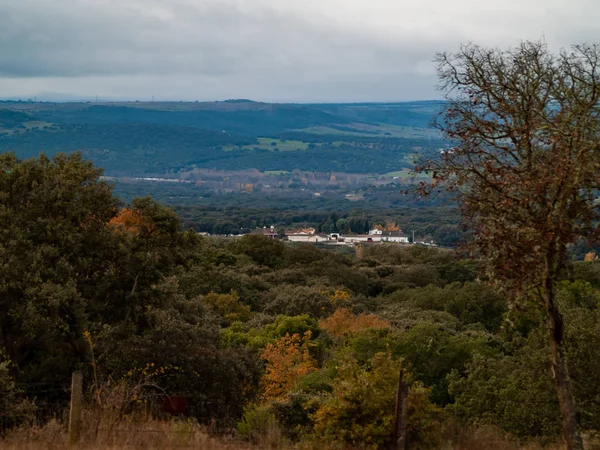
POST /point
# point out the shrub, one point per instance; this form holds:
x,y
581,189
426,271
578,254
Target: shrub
x,y
293,300
360,411
228,306
15,409
260,426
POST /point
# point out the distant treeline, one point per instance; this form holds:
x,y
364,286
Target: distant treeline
x,y
235,213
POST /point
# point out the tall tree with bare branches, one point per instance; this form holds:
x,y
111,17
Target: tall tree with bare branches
x,y
525,125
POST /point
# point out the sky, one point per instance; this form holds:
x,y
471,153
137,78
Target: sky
x,y
264,50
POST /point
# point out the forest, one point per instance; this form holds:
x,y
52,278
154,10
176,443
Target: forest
x,y
273,344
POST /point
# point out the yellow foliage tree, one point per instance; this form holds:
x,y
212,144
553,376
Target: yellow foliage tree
x,y
360,410
228,306
338,297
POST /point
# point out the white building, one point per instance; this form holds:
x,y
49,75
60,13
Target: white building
x,y
363,238
313,238
394,236
426,241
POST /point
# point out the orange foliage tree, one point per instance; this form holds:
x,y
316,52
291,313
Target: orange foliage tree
x,y
130,221
392,227
288,359
343,322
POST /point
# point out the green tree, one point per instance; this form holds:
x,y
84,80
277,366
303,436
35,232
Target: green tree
x,y
53,250
512,392
262,250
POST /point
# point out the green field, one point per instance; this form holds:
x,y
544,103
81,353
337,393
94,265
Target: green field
x,y
380,130
284,146
30,125
272,144
36,124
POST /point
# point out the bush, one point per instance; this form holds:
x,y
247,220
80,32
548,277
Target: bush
x,y
293,300
515,393
260,426
295,413
262,250
432,354
15,408
360,411
470,302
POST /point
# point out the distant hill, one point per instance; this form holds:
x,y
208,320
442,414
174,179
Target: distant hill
x,y
10,120
139,138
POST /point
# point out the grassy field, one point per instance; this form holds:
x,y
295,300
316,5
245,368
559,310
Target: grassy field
x,y
36,124
380,130
267,144
284,146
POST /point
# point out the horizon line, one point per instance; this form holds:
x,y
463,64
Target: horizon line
x,y
231,100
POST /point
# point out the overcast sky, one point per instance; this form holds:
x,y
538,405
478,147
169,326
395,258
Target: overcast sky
x,y
267,50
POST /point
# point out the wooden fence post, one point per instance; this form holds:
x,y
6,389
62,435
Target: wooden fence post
x,y
401,413
75,407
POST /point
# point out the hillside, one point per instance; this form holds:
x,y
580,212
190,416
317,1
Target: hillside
x,y
281,345
133,139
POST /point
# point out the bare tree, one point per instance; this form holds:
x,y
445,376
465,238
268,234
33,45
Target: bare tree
x,y
525,123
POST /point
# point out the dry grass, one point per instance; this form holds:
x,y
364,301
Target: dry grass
x,y
151,434
117,417
170,435
108,424
453,437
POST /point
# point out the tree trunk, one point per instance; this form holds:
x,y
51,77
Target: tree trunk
x,y
560,373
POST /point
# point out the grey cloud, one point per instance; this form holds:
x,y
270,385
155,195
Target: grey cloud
x,y
283,50
41,38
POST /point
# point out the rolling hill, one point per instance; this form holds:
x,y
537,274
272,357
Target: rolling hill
x,y
157,138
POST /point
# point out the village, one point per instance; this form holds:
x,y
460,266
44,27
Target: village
x,y
377,235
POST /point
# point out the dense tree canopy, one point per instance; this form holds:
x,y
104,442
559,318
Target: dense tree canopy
x,y
259,336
